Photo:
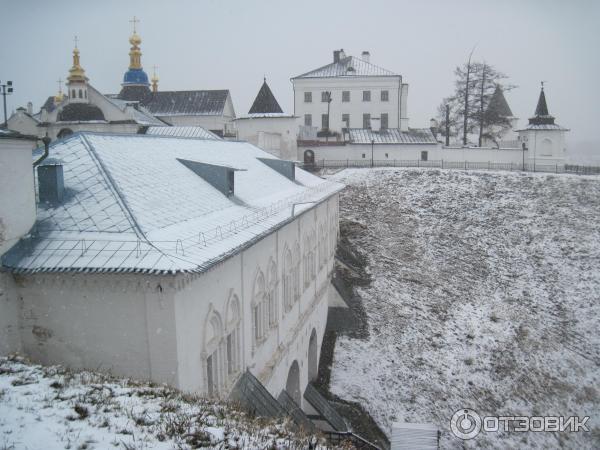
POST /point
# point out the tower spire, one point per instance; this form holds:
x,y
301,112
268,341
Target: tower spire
x,y
154,79
135,53
542,116
76,72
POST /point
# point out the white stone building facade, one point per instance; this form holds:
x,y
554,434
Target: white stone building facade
x,y
194,312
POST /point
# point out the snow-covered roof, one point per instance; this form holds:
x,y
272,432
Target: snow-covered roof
x,y
189,132
131,205
350,66
140,114
545,126
392,136
267,116
12,134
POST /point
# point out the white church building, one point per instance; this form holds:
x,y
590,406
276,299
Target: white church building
x,y
179,260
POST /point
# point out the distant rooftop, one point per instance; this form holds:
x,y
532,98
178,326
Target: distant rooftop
x,y
392,136
187,132
349,66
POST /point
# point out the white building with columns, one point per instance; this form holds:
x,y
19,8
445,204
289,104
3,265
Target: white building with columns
x,y
178,260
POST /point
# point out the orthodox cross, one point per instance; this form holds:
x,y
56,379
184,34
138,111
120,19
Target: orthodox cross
x,y
75,39
134,21
59,81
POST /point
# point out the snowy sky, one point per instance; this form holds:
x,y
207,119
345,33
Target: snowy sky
x,y
232,44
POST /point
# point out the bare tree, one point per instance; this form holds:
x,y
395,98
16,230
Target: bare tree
x,y
474,88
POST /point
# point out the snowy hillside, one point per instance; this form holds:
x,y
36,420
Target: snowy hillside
x,y
52,408
485,294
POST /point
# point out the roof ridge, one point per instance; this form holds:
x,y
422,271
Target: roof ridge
x,y
112,185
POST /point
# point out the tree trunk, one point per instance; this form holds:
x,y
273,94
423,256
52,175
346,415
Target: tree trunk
x,y
483,72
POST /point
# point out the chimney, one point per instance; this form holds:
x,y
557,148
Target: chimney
x,y
29,108
366,56
51,183
342,53
336,56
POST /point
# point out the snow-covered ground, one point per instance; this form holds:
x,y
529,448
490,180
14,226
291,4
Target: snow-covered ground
x,y
485,295
52,408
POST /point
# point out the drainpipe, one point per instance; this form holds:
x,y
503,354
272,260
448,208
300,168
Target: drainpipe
x,y
46,141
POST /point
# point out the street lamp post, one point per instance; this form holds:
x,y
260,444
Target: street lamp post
x,y
328,94
372,145
524,148
6,89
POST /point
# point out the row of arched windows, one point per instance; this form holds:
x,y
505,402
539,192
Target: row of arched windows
x,y
265,310
82,93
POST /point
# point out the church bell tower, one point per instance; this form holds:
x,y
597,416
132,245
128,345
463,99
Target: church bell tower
x,y
77,81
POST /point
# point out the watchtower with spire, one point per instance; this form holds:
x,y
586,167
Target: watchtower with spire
x,y
543,139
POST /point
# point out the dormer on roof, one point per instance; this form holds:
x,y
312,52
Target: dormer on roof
x,y
220,177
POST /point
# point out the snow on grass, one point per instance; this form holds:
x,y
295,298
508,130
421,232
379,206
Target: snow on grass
x,y
53,408
485,295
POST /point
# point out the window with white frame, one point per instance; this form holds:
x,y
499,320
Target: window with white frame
x,y
346,120
366,96
297,269
345,96
384,120
272,297
287,280
308,97
214,348
366,120
385,96
308,120
259,310
232,341
325,96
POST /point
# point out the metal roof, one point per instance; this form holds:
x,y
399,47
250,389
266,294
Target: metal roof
x,y
176,103
265,102
131,206
188,132
350,66
546,126
392,136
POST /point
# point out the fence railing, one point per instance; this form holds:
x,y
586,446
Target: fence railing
x,y
338,438
464,165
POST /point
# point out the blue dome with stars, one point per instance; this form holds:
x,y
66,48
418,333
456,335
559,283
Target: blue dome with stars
x,y
136,76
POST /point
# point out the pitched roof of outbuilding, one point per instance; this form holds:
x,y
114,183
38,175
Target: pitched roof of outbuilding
x,y
131,205
391,136
349,66
188,132
265,102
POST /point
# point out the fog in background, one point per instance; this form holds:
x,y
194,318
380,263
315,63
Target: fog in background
x,y
233,44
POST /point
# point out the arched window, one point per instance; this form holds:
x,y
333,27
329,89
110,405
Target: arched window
x,y
287,278
259,322
80,93
214,349
73,93
306,261
232,341
272,297
312,255
297,285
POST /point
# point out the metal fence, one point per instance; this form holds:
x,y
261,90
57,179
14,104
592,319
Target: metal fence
x,y
464,165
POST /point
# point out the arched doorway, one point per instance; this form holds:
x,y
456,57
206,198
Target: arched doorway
x,y
64,133
313,362
309,157
292,386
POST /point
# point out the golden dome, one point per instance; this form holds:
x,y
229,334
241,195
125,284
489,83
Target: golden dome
x,y
135,39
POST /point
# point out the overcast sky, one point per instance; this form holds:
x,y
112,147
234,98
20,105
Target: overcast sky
x,y
232,44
